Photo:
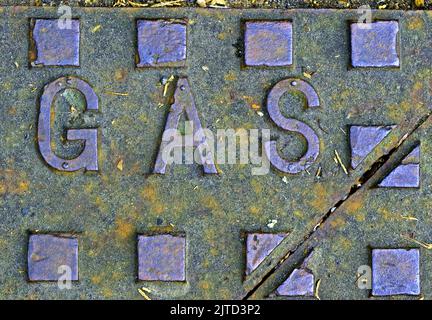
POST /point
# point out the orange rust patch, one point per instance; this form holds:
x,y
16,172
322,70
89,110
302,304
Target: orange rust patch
x,y
230,76
251,101
13,182
320,197
344,243
107,292
254,210
360,216
210,202
96,279
149,193
205,285
353,205
158,208
415,23
386,214
256,186
124,229
337,223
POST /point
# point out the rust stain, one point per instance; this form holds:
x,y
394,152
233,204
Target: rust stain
x,y
149,193
230,76
254,210
256,186
415,23
337,223
353,205
124,229
13,182
320,197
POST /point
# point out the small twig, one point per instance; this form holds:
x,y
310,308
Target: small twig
x,y
318,173
168,81
409,218
137,4
425,245
143,291
123,94
341,163
317,289
168,4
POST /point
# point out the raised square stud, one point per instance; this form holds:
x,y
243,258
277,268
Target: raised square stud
x,y
375,44
55,43
395,272
161,258
52,256
161,43
268,43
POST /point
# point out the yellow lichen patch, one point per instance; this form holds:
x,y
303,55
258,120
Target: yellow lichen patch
x,y
13,182
157,207
162,229
344,243
353,205
385,213
96,279
149,193
254,210
210,202
341,99
221,36
124,229
206,263
2,188
103,207
90,187
337,223
252,102
143,118
224,294
393,112
107,292
319,201
256,186
360,216
23,186
298,214
130,212
415,23
204,285
209,235
7,86
230,76
214,252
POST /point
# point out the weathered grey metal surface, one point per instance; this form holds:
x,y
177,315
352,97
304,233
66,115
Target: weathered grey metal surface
x,y
108,208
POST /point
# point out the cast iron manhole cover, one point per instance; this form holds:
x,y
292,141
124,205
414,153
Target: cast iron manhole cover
x,y
300,142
